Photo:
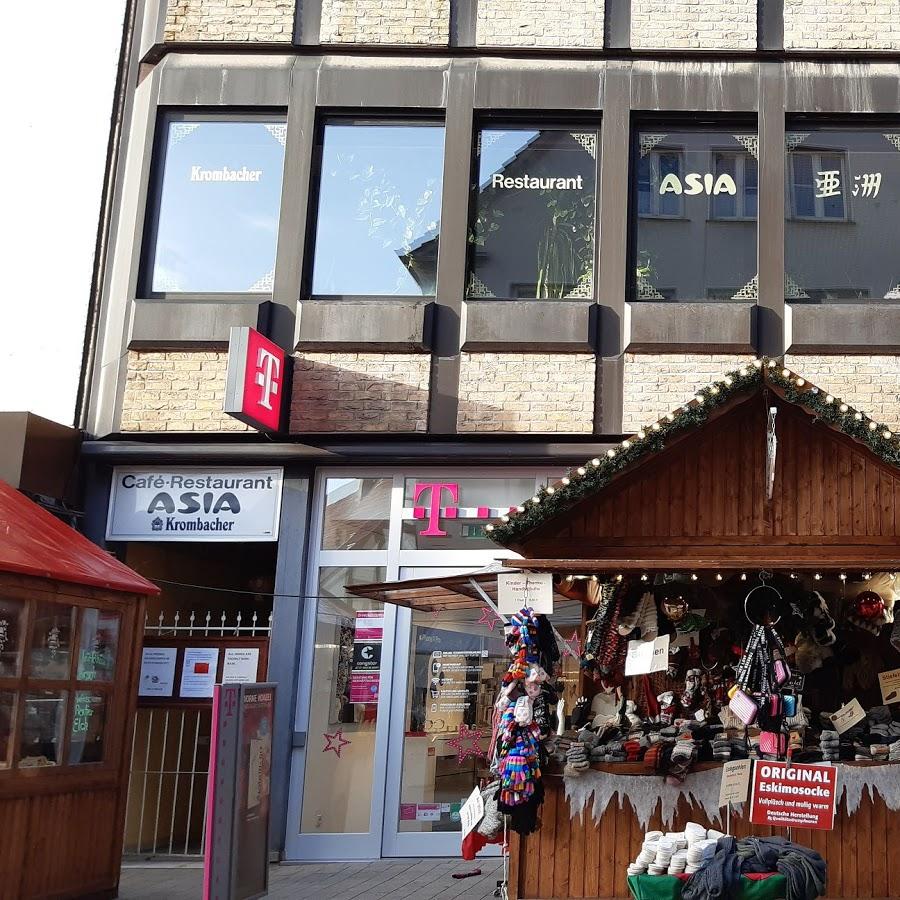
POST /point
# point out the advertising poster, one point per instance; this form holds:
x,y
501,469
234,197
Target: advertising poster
x,y
240,665
796,796
157,672
365,668
198,674
194,504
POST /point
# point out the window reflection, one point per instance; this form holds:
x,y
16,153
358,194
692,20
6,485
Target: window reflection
x,y
357,513
379,209
218,206
696,198
532,229
841,203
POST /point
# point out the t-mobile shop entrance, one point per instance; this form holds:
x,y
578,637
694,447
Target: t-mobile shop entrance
x,y
396,704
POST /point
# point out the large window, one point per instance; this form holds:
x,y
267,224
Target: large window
x,y
694,205
532,228
215,222
379,209
842,199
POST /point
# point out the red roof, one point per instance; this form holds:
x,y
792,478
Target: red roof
x,y
33,542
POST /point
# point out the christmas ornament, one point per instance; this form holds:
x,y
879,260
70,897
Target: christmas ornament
x,y
463,752
489,618
572,646
868,605
673,604
335,742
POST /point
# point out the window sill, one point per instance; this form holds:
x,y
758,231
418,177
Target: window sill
x,y
819,220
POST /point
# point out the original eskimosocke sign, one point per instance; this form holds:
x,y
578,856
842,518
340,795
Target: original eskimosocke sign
x,y
193,504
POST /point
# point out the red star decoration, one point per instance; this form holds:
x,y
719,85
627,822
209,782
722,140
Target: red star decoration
x,y
489,618
572,646
335,742
473,736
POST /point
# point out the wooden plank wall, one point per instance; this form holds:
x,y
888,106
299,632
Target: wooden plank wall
x,y
574,858
708,491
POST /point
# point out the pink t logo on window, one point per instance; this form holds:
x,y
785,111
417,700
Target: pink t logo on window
x,y
435,491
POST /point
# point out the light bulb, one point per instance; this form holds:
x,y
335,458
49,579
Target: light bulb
x,y
843,407
595,462
626,444
714,390
829,398
610,453
843,576
817,577
566,481
772,364
858,416
873,426
535,499
655,426
693,576
718,576
785,373
742,373
757,363
489,528
641,435
728,380
520,509
670,417
504,518
699,399
551,490
618,577
581,470
743,576
800,382
886,434
644,577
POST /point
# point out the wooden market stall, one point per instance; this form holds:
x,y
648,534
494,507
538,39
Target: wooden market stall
x,y
71,619
707,492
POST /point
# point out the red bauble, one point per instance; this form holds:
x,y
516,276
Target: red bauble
x,y
868,605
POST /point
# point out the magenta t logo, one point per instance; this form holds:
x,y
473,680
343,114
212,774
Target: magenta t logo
x,y
432,512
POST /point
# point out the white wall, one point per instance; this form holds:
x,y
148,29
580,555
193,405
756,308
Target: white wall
x,y
57,74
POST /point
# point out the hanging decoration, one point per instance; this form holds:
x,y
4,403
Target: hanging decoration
x,y
572,646
463,751
489,618
335,742
587,479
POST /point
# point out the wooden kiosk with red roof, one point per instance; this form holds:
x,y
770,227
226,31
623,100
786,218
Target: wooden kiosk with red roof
x,y
71,620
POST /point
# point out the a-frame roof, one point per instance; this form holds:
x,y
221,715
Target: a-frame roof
x,y
691,486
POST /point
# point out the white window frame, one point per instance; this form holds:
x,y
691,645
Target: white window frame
x,y
819,202
655,179
740,168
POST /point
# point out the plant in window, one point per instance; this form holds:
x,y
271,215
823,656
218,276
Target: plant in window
x,y
565,256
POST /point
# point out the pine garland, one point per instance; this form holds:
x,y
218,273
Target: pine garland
x,y
595,474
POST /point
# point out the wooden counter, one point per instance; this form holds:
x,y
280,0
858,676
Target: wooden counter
x,y
575,858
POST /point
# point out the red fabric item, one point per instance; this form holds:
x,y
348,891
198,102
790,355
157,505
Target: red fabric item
x,y
33,542
753,876
474,842
650,701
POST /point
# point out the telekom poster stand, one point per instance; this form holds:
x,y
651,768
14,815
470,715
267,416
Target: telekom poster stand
x,y
236,861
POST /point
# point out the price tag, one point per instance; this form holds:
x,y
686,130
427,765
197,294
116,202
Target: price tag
x,y
647,656
847,716
471,812
890,686
735,781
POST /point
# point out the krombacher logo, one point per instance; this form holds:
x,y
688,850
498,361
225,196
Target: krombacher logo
x,y
225,174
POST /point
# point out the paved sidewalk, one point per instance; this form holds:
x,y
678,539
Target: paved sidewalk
x,y
416,879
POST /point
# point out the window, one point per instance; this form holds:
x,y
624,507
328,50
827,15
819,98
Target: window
x,y
842,200
53,704
695,197
215,223
531,233
379,209
357,514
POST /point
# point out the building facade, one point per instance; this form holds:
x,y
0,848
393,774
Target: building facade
x,y
493,238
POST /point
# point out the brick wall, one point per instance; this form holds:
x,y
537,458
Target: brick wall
x,y
540,23
230,20
694,24
526,392
176,392
360,392
657,383
842,24
385,21
870,384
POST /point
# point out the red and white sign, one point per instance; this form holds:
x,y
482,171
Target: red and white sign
x,y
795,796
255,384
428,504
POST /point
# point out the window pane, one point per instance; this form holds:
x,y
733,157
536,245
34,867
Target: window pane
x,y
8,701
98,643
532,233
357,513
701,242
839,236
343,716
379,210
451,514
12,624
218,206
645,196
43,724
51,640
88,728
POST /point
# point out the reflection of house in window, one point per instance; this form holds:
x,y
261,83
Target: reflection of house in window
x,y
651,170
817,185
837,295
531,232
744,171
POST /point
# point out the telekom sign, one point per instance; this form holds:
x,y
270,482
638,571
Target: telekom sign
x,y
428,504
255,385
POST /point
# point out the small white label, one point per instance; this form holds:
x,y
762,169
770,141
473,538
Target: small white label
x,y
471,812
890,686
516,590
847,716
735,783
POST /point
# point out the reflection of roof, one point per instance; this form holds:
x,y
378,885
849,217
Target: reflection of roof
x,y
356,515
33,542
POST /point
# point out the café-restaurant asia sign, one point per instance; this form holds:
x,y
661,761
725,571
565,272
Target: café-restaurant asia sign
x,y
194,504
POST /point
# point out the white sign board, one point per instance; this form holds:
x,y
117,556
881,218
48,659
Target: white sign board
x,y
735,783
239,665
198,674
644,657
890,686
516,590
848,716
157,672
194,504
471,812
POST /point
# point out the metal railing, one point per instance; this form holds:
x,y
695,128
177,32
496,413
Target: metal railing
x,y
166,812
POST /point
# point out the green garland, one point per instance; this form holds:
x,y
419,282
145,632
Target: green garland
x,y
594,475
